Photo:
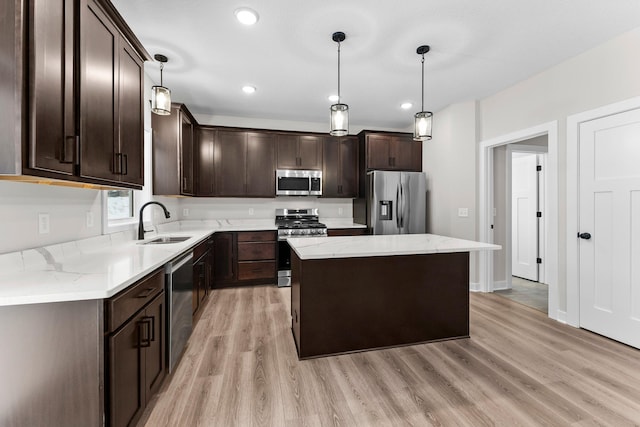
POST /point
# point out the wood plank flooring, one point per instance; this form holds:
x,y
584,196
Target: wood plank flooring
x,y
518,369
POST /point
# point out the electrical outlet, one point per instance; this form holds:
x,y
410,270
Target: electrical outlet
x,y
89,219
185,212
463,212
340,211
250,211
43,223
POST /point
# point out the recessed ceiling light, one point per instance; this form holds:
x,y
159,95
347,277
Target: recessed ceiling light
x,y
246,16
333,98
406,105
248,89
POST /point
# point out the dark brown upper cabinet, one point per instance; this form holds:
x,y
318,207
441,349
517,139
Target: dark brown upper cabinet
x,y
244,163
391,151
173,149
203,158
340,170
111,109
299,151
78,73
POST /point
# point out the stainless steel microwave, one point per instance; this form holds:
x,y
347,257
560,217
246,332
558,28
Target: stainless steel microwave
x,y
298,182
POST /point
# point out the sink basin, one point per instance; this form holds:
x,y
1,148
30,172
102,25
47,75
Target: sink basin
x,y
166,240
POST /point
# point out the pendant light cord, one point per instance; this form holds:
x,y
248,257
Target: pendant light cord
x,y
422,82
338,72
162,66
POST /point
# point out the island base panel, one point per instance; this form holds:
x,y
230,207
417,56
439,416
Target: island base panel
x,y
344,305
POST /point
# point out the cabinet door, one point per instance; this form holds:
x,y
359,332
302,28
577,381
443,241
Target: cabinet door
x,y
348,185
331,167
99,41
310,152
154,354
287,146
378,156
261,158
199,278
401,149
186,155
126,373
131,111
52,126
416,156
204,161
230,163
224,257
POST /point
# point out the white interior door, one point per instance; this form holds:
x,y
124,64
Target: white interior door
x,y
610,212
524,222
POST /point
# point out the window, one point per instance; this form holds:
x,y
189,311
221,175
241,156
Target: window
x,y
120,205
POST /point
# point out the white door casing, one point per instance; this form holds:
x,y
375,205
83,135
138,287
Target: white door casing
x,y
524,207
485,170
609,201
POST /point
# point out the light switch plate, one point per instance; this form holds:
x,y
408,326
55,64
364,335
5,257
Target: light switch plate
x,y
185,212
463,212
250,211
89,219
43,223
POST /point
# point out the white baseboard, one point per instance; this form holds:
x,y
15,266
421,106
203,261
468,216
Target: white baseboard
x,y
474,287
501,285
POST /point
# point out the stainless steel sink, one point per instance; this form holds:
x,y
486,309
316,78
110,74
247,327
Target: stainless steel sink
x,y
166,240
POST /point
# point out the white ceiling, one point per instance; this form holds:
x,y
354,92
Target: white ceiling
x,y
478,47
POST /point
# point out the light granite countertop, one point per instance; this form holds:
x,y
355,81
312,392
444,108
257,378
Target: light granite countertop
x,y
386,245
102,266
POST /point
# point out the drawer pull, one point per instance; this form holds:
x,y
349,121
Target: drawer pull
x,y
145,332
146,293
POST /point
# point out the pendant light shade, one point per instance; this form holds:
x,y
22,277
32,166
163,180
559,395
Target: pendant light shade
x,y
423,119
339,111
160,95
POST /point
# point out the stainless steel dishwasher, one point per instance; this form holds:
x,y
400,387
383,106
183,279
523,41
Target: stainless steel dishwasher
x,y
179,302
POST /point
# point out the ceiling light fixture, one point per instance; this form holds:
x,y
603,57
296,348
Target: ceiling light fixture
x,y
248,89
406,105
339,112
423,119
160,95
246,16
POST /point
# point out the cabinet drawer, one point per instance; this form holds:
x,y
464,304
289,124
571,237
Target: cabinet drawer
x,y
126,303
256,270
257,236
255,251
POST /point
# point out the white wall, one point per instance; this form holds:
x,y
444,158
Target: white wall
x,y
606,74
449,160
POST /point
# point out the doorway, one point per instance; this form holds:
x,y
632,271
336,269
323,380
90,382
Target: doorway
x,y
519,206
488,233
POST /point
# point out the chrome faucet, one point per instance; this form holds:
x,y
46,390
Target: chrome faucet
x,y
141,229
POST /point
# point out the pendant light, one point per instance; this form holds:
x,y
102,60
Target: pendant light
x,y
160,95
339,111
423,119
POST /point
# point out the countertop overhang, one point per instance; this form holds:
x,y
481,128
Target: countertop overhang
x,y
384,245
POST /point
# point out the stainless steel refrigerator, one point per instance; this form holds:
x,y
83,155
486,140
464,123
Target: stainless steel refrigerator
x,y
397,202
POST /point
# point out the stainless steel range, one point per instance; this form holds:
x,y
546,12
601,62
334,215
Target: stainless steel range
x,y
294,223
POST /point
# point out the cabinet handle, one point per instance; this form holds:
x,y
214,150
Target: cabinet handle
x,y
68,148
144,332
184,183
126,164
147,292
390,162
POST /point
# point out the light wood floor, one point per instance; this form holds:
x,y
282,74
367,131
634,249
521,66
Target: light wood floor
x,y
518,368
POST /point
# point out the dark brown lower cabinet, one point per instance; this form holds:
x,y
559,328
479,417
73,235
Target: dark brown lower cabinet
x,y
135,349
245,258
202,274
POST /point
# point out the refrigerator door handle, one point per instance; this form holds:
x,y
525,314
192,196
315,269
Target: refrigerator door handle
x,y
402,207
398,206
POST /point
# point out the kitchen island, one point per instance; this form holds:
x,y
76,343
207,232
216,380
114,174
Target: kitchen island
x,y
368,292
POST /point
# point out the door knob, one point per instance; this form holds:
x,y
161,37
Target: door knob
x,y
585,236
